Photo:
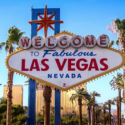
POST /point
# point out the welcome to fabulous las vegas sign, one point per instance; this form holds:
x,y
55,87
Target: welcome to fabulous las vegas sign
x,y
65,60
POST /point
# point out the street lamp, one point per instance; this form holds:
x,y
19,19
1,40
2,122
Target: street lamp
x,y
26,84
26,81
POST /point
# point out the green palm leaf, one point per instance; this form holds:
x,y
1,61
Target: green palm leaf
x,y
117,81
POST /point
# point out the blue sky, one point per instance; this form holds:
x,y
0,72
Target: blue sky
x,y
80,17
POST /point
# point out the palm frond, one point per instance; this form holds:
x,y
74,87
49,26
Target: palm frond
x,y
18,47
104,107
111,43
6,47
110,102
93,94
97,110
115,99
90,102
117,21
117,81
120,26
80,93
14,35
117,42
2,44
73,97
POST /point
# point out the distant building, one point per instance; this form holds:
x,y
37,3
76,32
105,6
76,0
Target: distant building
x,y
67,105
17,94
112,110
115,115
100,104
123,114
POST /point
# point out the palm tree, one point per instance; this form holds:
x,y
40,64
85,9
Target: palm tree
x,y
107,114
47,92
52,108
3,107
90,102
14,34
3,100
97,111
118,83
109,103
42,110
104,108
118,27
25,108
81,94
115,100
47,99
94,94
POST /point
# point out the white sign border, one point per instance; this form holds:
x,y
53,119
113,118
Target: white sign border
x,y
70,87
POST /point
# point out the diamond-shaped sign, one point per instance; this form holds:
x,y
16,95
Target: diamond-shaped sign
x,y
65,68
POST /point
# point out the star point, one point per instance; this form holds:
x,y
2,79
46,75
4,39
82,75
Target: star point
x,y
45,21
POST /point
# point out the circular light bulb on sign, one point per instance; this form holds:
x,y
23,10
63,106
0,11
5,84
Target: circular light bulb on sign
x,y
37,42
63,41
24,42
76,41
103,40
90,41
50,42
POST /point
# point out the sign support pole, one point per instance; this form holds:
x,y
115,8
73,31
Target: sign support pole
x,y
32,83
57,92
57,107
31,120
32,102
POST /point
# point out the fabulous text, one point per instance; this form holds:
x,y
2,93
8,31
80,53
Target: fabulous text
x,y
63,53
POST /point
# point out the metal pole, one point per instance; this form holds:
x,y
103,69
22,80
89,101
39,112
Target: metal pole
x,y
57,92
40,101
31,115
65,102
57,107
36,104
31,102
32,84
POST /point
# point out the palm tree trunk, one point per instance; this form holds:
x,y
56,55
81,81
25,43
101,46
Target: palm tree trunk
x,y
124,90
117,114
9,96
9,93
122,39
104,121
47,99
89,115
109,114
119,106
0,118
93,120
80,110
